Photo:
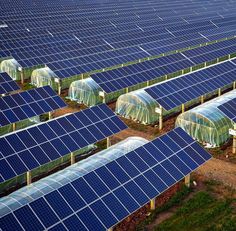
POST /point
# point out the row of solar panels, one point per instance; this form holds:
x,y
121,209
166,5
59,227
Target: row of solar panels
x,y
114,15
32,58
32,147
119,17
117,79
178,91
101,198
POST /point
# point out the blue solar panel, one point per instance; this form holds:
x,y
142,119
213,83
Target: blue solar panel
x,y
89,203
27,104
175,92
7,84
29,148
229,109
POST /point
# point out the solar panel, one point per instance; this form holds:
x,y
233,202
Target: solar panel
x,y
27,104
173,93
229,109
7,84
105,196
32,147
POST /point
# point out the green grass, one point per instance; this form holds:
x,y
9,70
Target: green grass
x,y
203,212
176,200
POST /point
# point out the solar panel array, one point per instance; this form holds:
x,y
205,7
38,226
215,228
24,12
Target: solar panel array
x,y
7,84
32,147
229,109
114,80
27,104
99,37
175,92
103,197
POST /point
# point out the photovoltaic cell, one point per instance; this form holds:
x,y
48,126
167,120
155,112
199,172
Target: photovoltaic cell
x,y
103,197
7,84
32,147
23,105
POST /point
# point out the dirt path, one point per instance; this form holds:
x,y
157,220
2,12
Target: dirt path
x,y
220,170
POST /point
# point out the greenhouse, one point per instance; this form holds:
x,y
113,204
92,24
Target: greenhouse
x,y
11,67
45,76
19,125
42,77
139,106
206,123
86,91
56,180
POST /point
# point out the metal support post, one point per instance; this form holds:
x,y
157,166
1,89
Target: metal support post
x,y
22,76
49,115
183,108
29,177
160,118
72,158
108,142
153,204
234,141
13,127
202,99
187,180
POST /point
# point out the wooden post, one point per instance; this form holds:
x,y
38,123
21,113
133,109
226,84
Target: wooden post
x,y
13,127
187,180
110,229
108,142
147,83
234,85
202,99
28,177
153,204
166,77
127,90
219,92
82,76
72,158
183,108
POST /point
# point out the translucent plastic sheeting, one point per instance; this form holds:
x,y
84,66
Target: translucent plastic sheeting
x,y
206,123
86,91
45,76
42,77
138,106
11,67
56,180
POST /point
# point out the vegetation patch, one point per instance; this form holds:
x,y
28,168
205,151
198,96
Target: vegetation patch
x,y
203,212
